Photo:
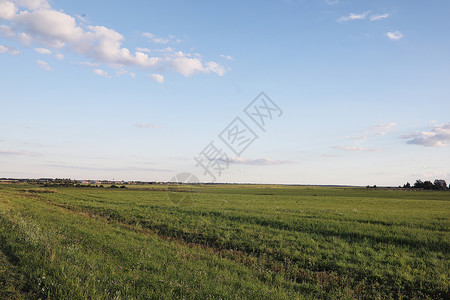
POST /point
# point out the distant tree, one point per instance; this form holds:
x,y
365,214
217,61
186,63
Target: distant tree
x,y
123,187
407,185
428,185
114,186
418,184
440,184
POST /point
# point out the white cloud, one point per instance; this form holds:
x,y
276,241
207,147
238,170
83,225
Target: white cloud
x,y
85,63
353,16
355,148
82,18
394,35
174,39
438,136
44,65
42,50
7,31
104,45
379,17
24,38
257,161
372,131
33,4
227,57
123,72
188,65
101,73
19,153
381,129
148,125
155,39
164,50
375,130
7,10
14,51
8,49
40,24
140,49
156,77
214,67
59,56
185,64
159,40
332,2
49,27
358,137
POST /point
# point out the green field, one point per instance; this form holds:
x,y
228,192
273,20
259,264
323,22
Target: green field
x,y
233,242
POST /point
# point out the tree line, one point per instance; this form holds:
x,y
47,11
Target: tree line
x,y
439,184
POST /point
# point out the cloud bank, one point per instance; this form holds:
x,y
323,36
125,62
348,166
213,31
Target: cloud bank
x,y
438,136
36,22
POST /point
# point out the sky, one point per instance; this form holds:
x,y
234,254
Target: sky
x,y
354,92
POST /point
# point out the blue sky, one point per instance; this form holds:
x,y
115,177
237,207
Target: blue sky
x,y
135,90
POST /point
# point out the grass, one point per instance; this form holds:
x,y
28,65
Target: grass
x,y
233,242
